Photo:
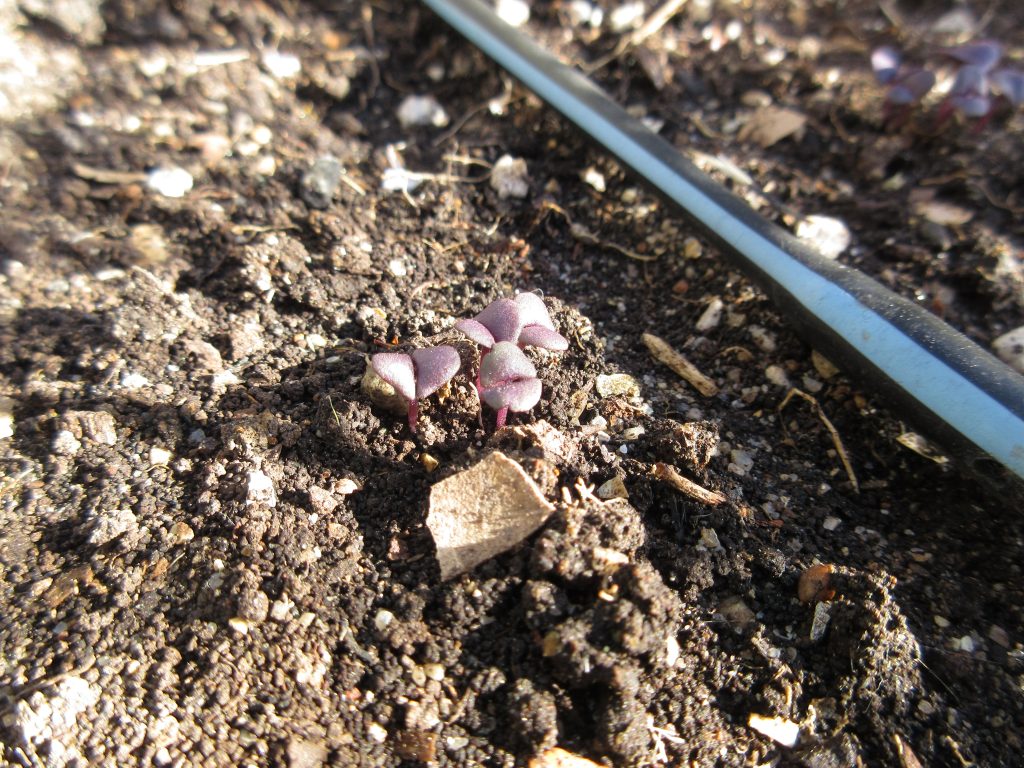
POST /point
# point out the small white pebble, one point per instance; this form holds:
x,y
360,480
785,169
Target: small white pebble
x,y
283,66
420,111
594,178
812,385
709,538
778,729
159,457
397,268
966,644
169,182
776,374
830,237
383,619
626,16
260,489
509,177
711,316
831,523
65,443
377,732
515,13
6,418
434,671
940,621
240,625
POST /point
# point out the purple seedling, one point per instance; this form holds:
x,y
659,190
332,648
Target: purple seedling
x,y
969,96
418,374
906,86
523,320
983,54
885,62
1009,84
508,381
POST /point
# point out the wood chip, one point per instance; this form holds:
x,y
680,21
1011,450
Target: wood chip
x,y
482,512
663,353
772,124
669,474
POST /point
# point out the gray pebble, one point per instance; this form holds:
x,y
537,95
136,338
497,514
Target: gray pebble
x,y
321,182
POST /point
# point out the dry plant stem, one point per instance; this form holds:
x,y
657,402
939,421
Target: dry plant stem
x,y
663,353
655,21
836,441
669,474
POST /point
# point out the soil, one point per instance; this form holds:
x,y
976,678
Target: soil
x,y
188,577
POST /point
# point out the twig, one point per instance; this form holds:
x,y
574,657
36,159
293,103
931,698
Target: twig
x,y
663,353
836,441
655,21
669,474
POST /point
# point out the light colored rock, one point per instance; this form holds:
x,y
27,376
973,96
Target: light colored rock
x,y
260,489
510,178
170,182
6,418
51,724
617,384
107,526
515,13
1010,348
482,512
776,374
282,66
614,488
421,111
65,443
828,236
778,729
711,316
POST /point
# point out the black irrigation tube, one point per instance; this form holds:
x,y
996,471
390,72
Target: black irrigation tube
x,y
954,390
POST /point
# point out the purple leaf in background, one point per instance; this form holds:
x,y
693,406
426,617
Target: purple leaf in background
x,y
983,54
435,366
1009,83
910,88
396,369
885,61
969,94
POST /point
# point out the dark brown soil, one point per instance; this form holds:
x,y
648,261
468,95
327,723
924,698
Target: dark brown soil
x,y
163,357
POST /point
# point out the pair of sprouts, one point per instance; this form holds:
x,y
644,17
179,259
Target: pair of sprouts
x,y
978,88
507,379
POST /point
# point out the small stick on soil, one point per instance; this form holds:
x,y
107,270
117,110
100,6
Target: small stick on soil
x,y
663,353
669,474
655,21
836,441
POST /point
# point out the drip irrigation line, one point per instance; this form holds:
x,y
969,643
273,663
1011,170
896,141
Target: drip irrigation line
x,y
948,386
